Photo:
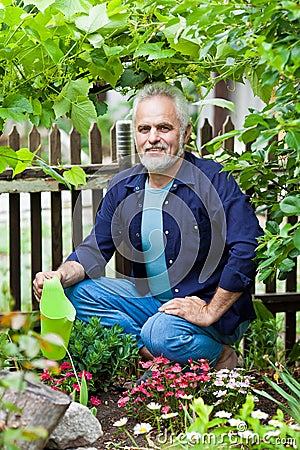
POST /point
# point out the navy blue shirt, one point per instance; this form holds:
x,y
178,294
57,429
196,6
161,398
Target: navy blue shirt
x,y
210,232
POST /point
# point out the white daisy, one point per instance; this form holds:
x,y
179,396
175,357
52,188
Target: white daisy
x,y
153,406
275,423
235,422
142,428
258,414
223,414
169,415
121,422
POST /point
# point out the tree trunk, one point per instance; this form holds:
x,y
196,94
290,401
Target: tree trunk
x,y
40,406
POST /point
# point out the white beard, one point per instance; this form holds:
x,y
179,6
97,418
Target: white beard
x,y
159,164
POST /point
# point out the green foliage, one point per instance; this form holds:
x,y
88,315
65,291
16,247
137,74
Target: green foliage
x,y
22,159
248,428
261,338
56,56
107,353
292,397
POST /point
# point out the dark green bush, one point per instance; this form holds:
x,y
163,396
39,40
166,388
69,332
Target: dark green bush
x,y
107,353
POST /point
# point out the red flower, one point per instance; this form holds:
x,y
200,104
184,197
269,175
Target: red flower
x,y
65,365
95,401
45,375
76,387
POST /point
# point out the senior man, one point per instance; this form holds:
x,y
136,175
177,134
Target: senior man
x,y
190,234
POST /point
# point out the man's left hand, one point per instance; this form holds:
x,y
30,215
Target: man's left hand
x,y
192,309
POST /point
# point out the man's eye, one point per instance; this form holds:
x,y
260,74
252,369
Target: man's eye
x,y
143,130
165,128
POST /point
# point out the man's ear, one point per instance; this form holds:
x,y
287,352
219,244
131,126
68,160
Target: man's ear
x,y
187,133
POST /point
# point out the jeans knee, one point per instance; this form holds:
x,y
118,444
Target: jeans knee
x,y
160,337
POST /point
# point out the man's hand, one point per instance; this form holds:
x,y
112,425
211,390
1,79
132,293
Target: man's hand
x,y
197,311
38,282
192,309
69,273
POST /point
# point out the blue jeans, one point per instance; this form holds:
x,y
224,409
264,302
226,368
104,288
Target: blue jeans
x,y
116,301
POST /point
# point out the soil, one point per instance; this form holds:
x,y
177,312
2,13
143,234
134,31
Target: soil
x,y
109,412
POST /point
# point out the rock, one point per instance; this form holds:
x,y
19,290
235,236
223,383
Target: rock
x,y
78,428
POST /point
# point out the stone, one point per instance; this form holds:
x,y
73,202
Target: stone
x,y
77,428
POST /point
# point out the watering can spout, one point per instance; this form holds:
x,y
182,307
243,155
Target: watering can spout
x,y
57,317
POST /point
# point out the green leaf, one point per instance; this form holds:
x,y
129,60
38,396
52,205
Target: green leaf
x,y
82,114
94,20
83,396
296,239
132,79
25,158
7,157
53,174
153,51
292,139
13,15
72,8
53,50
290,205
17,102
76,175
41,5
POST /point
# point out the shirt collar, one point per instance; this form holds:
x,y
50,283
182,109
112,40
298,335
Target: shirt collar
x,y
184,175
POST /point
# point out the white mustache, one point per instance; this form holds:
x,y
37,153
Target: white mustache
x,y
153,146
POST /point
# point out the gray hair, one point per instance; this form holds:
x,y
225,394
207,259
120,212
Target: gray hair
x,y
167,90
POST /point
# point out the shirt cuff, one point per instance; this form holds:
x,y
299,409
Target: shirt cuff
x,y
234,281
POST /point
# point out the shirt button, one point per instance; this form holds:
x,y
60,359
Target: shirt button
x,y
174,185
166,202
140,205
167,232
196,227
176,290
171,261
137,234
137,188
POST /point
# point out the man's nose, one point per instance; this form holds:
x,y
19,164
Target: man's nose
x,y
153,136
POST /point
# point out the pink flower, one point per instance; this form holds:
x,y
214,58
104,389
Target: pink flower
x,y
87,375
183,384
76,387
122,401
69,374
95,401
160,388
165,409
65,365
176,368
146,365
160,360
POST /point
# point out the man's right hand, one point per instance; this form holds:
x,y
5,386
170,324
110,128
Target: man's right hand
x,y
69,273
38,282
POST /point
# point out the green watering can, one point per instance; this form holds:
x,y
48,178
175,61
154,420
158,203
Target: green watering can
x,y
57,316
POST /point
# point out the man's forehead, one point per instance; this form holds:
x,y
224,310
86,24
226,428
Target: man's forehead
x,y
157,109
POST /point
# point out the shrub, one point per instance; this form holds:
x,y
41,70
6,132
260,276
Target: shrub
x,y
107,353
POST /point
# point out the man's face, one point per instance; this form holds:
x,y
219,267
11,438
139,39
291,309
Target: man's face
x,y
159,138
